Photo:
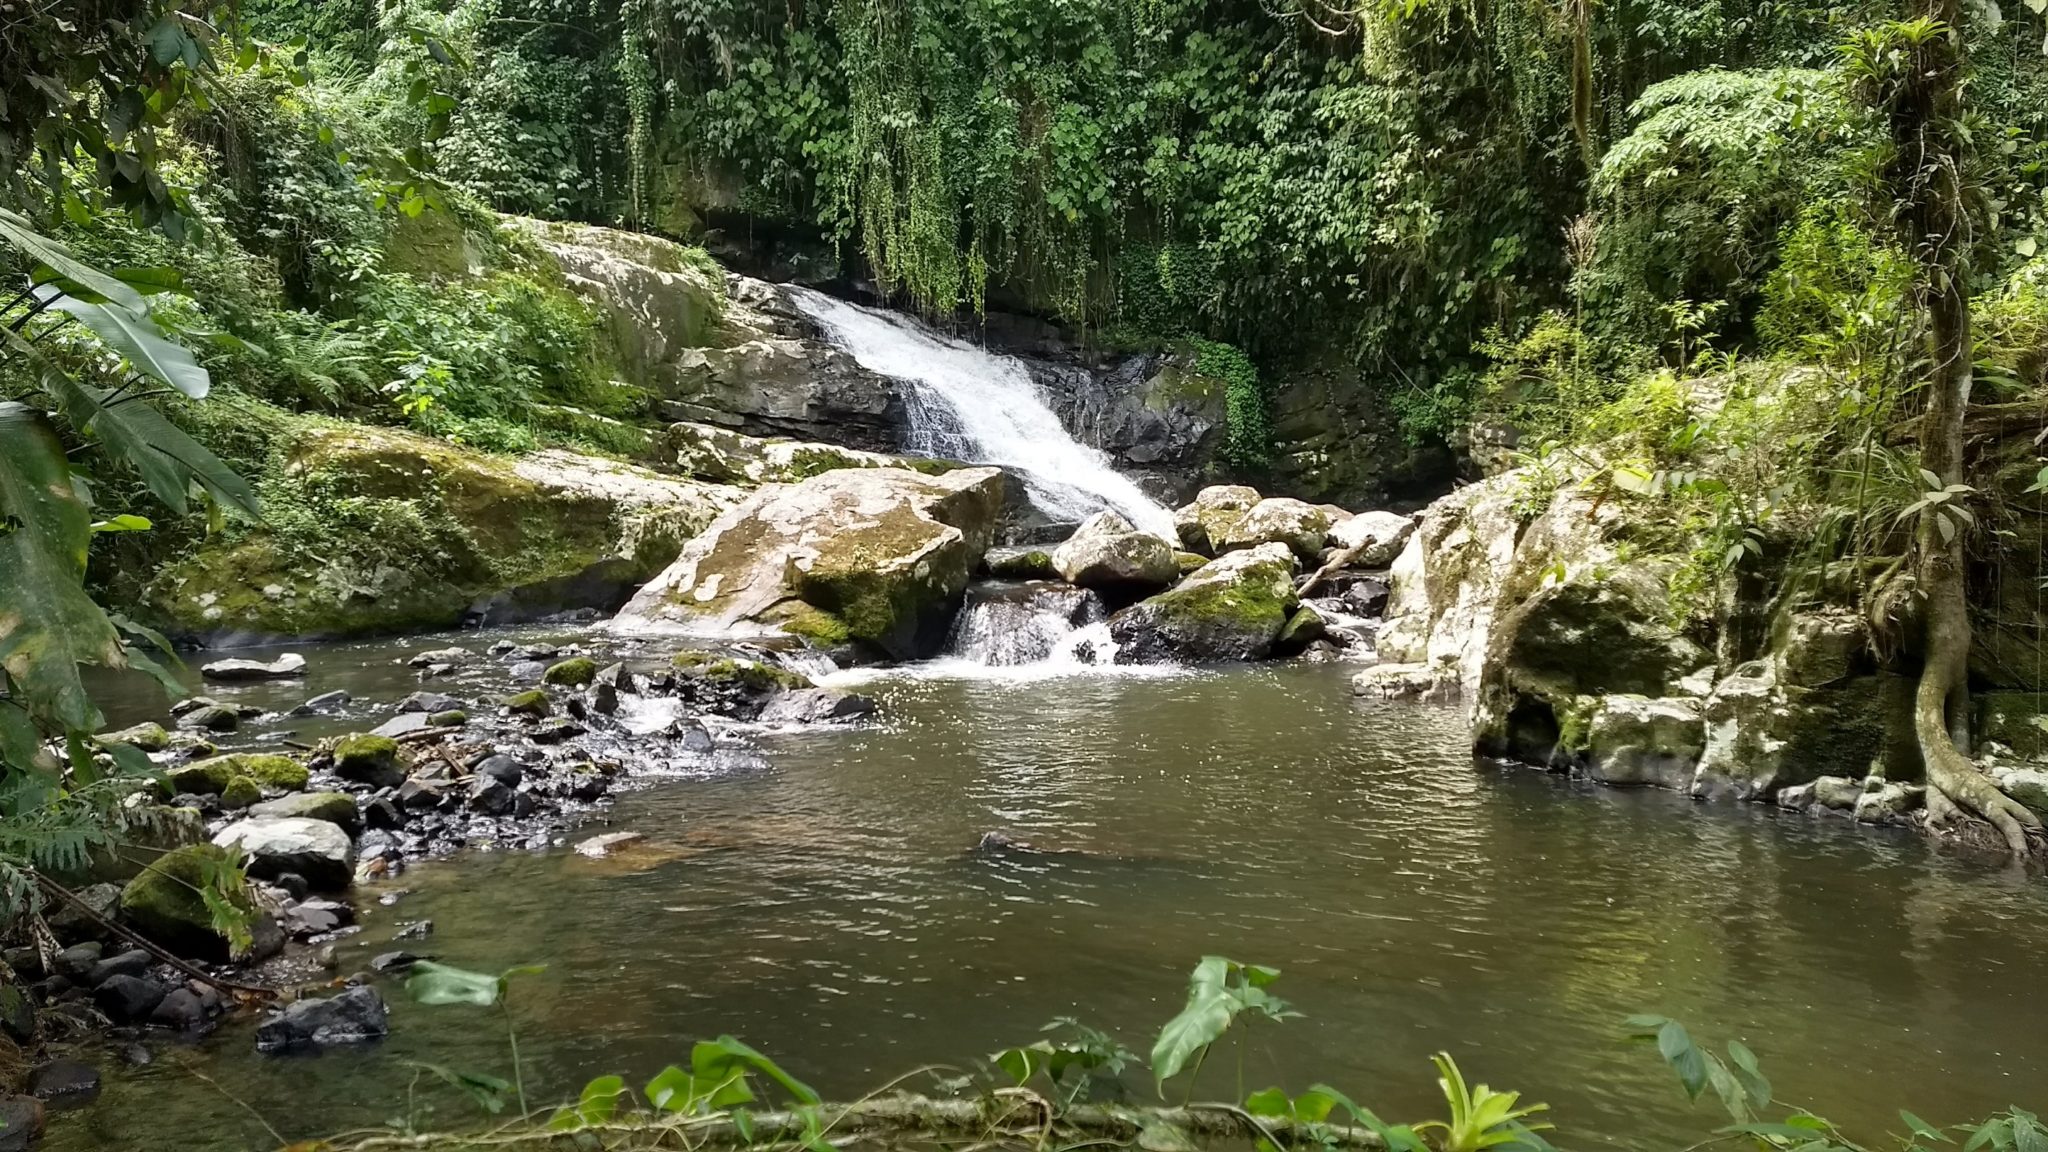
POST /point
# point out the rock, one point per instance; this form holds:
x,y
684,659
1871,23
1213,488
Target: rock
x,y
17,1014
1232,608
1379,537
878,556
455,718
490,796
317,917
1884,801
1212,512
528,671
315,849
149,737
1303,628
420,795
210,777
292,884
431,702
1021,564
128,999
1839,793
394,961
414,930
211,718
2029,786
355,1016
402,724
724,456
21,1122
1277,520
1397,682
556,731
284,667
63,1084
326,702
606,843
1366,597
77,961
240,793
1108,554
1798,797
133,962
691,732
503,769
382,812
814,706
371,758
68,922
533,702
1642,740
442,656
601,698
571,673
180,1011
337,808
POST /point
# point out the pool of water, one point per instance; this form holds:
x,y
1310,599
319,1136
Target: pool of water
x,y
820,900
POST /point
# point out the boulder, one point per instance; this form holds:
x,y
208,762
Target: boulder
x,y
533,702
211,777
355,1016
814,706
431,702
1884,802
315,849
574,672
1212,512
211,718
1232,608
1374,538
878,556
370,758
337,808
1839,793
128,999
21,1123
2029,786
725,456
1021,563
149,737
1302,526
1633,739
163,902
1107,553
433,656
1303,628
64,1084
284,667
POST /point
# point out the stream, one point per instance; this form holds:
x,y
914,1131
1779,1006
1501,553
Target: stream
x,y
815,896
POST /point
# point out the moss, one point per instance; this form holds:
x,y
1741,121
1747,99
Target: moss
x,y
364,755
694,658
211,777
240,793
164,901
574,672
150,737
452,718
337,808
532,702
1575,722
431,245
1189,561
751,674
817,626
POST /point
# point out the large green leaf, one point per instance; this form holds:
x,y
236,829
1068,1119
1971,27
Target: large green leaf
x,y
717,1061
137,338
16,230
48,625
1203,1020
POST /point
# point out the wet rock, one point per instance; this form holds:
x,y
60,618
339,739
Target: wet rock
x,y
455,718
150,737
1232,608
1301,526
601,698
1303,628
394,961
62,1084
431,702
556,731
78,961
1107,553
575,672
605,844
414,930
211,718
541,652
17,1014
400,725
382,812
137,1056
1839,793
503,769
501,647
1022,563
490,796
163,902
1885,801
338,808
317,918
211,777
21,1122
128,999
421,794
181,1011
691,733
1213,510
292,884
533,702
333,701
1366,597
240,793
529,671
69,922
355,1016
133,962
315,849
442,656
372,758
1643,740
284,667
814,706
1798,797
588,785
1378,536
2029,786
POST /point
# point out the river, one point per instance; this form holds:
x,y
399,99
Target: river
x,y
816,897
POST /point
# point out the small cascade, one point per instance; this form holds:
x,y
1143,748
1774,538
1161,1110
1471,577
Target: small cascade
x,y
970,405
1010,625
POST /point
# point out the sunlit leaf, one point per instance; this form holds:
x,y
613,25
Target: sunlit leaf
x,y
16,230
138,340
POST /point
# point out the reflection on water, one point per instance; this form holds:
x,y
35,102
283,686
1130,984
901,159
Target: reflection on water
x,y
823,907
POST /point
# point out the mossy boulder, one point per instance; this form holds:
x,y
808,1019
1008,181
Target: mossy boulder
x,y
753,675
1303,628
148,736
240,793
163,902
723,456
1021,564
1108,554
368,758
211,777
1302,526
1232,608
532,702
1211,513
452,718
574,672
337,808
378,530
885,553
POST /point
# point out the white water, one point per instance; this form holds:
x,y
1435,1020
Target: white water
x,y
968,405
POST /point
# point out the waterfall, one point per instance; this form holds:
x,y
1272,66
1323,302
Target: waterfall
x,y
969,405
1009,625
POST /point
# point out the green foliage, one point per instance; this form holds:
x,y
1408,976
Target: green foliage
x,y
1250,443
1219,990
1480,1117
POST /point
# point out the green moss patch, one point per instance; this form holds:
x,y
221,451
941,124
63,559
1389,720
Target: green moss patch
x,y
532,702
574,672
211,777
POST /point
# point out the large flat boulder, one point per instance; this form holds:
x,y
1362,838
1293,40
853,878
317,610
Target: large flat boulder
x,y
381,530
874,556
1302,526
1232,608
315,849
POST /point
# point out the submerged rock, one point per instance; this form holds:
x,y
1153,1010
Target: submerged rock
x,y
354,1017
1232,608
814,706
288,665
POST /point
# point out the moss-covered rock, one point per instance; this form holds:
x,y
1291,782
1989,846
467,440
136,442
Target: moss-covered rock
x,y
1302,526
1107,553
212,776
723,456
240,793
1232,608
1021,564
885,553
148,736
163,902
574,672
368,758
532,702
451,718
1211,513
753,675
373,529
337,808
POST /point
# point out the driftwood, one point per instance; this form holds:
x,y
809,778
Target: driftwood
x,y
77,905
1010,1117
1338,562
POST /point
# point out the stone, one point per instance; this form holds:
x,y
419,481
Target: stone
x,y
338,808
1397,682
77,961
1108,554
394,961
454,718
814,706
1378,537
382,812
21,1122
604,844
1303,628
1212,512
1798,797
431,702
533,702
371,758
528,671
17,1014
63,1084
2029,786
574,672
442,656
877,556
1633,739
69,922
1232,608
128,999
181,1011
1301,526
403,724
1885,801
556,731
133,962
326,702
420,795
1839,793
601,698
211,718
355,1016
1020,563
315,849
284,667
310,918
210,777
240,793
503,769
490,796
149,737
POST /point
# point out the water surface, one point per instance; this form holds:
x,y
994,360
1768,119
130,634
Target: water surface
x,y
818,900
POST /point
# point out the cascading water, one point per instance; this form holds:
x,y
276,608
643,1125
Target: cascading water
x,y
969,405
1010,625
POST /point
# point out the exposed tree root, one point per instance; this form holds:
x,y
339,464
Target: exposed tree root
x,y
1953,782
